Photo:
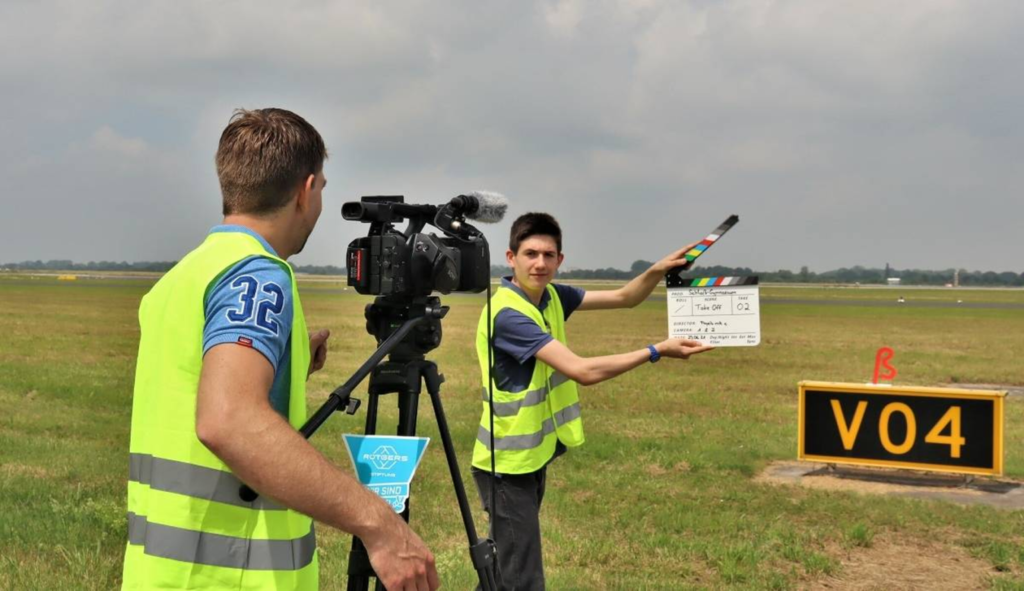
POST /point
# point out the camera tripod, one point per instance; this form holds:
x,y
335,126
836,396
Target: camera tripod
x,y
405,332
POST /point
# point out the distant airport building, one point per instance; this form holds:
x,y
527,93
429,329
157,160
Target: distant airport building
x,y
892,280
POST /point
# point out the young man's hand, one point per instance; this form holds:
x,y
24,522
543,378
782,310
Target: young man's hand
x,y
674,259
317,350
401,559
681,348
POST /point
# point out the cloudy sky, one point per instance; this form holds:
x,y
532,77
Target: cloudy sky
x,y
842,133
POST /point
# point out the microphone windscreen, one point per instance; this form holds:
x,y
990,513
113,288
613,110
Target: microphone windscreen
x,y
491,206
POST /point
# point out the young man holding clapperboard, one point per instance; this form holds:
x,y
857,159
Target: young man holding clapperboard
x,y
536,406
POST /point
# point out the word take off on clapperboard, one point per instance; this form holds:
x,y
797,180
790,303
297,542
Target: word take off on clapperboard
x,y
881,425
717,311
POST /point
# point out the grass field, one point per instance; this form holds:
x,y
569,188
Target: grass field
x,y
661,497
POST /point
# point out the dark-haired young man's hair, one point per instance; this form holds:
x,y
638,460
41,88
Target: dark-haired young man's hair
x,y
534,224
263,158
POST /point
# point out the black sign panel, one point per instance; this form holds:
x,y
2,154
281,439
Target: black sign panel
x,y
924,428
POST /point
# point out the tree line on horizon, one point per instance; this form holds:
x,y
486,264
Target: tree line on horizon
x,y
857,274
845,275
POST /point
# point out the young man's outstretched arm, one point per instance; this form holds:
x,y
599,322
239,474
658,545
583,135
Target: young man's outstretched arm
x,y
587,371
638,289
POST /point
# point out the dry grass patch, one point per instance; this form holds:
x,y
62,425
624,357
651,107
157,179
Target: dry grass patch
x,y
895,562
11,470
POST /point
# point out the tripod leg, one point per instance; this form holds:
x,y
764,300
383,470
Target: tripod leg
x,y
481,552
360,571
408,411
371,414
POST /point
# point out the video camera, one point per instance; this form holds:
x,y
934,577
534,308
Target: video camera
x,y
410,263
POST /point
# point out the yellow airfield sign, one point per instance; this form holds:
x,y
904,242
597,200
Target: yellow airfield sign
x,y
935,429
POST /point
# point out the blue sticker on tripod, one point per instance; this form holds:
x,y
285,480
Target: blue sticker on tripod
x,y
386,464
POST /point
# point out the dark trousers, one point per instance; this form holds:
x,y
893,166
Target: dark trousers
x,y
515,526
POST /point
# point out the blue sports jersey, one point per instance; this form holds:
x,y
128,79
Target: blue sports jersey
x,y
251,305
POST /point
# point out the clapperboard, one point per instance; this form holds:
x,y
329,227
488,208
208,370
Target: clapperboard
x,y
718,311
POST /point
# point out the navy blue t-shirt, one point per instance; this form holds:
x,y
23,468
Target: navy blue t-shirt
x,y
517,338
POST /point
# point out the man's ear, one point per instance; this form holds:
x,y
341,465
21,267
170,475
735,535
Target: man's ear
x,y
561,257
305,190
510,257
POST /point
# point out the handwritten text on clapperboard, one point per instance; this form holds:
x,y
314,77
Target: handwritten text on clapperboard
x,y
723,316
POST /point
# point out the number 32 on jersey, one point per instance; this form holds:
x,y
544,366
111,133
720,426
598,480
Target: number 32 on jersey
x,y
258,304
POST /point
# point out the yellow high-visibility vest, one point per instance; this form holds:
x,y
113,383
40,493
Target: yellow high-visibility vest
x,y
187,526
528,423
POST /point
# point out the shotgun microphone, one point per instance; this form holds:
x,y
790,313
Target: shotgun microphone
x,y
483,206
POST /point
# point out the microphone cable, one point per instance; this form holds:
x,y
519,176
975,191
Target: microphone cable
x,y
490,401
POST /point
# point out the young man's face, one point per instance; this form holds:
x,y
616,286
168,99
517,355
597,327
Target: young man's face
x,y
536,262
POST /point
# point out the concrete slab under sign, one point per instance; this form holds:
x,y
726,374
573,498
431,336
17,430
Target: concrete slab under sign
x,y
1000,493
1009,389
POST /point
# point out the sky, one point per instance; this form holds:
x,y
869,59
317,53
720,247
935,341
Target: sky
x,y
841,132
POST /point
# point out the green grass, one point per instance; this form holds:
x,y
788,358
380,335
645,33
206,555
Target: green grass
x,y
860,535
660,497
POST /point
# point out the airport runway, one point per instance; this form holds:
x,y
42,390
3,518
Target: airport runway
x,y
894,303
880,303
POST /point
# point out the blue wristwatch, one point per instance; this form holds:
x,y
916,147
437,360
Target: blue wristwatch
x,y
655,356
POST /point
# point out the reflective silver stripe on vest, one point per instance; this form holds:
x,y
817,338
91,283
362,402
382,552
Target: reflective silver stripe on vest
x,y
516,442
557,379
530,440
568,413
199,547
531,398
194,481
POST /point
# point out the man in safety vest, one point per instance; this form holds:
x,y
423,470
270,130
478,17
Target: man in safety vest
x,y
220,391
536,406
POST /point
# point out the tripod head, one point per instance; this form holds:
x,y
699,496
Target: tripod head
x,y
388,313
